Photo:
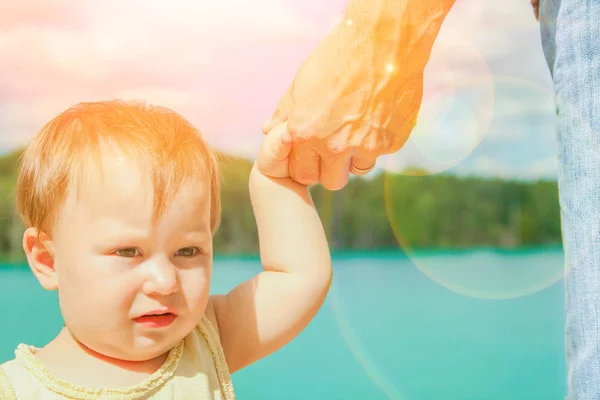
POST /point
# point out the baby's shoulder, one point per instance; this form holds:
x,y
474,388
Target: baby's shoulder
x,y
210,315
203,354
205,337
11,373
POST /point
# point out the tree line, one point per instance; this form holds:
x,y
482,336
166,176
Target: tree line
x,y
389,210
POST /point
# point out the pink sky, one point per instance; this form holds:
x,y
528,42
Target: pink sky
x,y
222,64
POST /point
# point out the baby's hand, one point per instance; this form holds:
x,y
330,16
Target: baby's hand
x,y
272,160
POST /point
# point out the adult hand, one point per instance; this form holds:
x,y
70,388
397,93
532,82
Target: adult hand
x,y
352,100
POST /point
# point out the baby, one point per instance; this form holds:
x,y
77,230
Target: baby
x,y
121,202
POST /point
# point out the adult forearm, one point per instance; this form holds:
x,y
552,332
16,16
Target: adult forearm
x,y
400,31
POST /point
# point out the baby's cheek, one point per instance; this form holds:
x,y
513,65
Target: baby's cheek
x,y
195,286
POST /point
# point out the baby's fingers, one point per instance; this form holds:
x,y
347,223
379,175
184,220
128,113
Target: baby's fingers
x,y
273,155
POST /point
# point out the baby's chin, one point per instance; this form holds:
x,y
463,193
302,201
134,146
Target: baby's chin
x,y
139,348
146,348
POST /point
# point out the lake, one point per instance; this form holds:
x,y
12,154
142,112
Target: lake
x,y
472,325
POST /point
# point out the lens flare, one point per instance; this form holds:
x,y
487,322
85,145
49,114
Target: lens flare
x,y
522,109
359,352
456,108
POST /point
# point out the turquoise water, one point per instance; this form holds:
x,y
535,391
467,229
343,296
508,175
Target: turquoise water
x,y
478,325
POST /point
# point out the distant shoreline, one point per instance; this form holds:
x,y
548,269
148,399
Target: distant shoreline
x,y
11,260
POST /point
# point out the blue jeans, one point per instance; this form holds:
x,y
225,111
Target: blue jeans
x,y
570,31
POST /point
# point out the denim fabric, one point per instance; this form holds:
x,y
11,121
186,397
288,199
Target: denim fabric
x,y
570,31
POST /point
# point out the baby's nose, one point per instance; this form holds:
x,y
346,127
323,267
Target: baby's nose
x,y
163,279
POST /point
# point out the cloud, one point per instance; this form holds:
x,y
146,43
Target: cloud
x,y
491,167
488,106
61,13
478,33
150,42
546,168
224,65
184,54
486,166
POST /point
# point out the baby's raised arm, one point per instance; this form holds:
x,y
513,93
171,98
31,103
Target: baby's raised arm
x,y
264,313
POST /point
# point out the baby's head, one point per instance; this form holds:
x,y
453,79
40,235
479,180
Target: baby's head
x,y
120,201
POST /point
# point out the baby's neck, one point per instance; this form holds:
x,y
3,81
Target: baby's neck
x,y
71,361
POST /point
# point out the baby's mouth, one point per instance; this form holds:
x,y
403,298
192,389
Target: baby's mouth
x,y
157,314
156,319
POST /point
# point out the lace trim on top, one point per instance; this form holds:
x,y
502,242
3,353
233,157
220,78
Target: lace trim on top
x,y
25,355
7,392
214,343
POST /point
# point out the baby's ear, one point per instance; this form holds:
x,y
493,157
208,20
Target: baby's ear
x,y
40,257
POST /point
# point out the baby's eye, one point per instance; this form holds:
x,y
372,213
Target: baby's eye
x,y
188,251
128,252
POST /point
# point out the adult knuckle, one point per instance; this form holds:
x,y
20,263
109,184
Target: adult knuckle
x,y
371,146
300,134
395,144
293,127
299,126
337,147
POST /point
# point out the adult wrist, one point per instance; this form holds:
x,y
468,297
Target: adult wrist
x,y
401,32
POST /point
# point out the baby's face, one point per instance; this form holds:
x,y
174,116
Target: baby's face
x,y
113,271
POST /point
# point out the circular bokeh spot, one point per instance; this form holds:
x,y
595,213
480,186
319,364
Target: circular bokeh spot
x,y
455,111
481,216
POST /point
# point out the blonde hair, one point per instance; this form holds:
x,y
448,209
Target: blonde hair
x,y
159,138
